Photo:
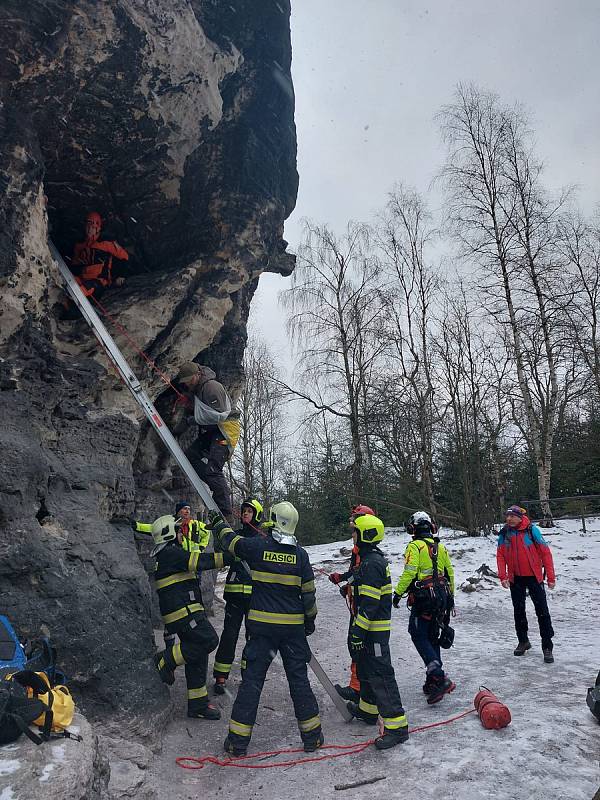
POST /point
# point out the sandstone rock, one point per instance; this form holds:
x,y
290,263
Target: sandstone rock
x,y
173,119
62,769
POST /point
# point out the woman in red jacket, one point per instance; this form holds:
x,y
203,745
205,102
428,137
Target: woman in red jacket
x,y
524,559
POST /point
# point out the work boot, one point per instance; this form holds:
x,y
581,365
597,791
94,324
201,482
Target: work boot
x,y
522,648
548,657
441,686
428,685
205,712
220,685
232,748
310,747
166,673
347,693
357,712
391,738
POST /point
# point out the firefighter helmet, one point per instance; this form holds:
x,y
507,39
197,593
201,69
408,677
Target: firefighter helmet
x,y
283,518
257,509
360,509
164,530
369,528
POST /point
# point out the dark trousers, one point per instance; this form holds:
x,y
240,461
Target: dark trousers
x,y
208,458
236,611
425,635
518,590
379,693
260,650
195,643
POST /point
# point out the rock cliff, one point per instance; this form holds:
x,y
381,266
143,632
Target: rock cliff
x,y
174,120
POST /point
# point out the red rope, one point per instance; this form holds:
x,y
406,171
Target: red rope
x,y
136,347
191,762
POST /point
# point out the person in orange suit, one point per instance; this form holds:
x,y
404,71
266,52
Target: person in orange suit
x,y
92,261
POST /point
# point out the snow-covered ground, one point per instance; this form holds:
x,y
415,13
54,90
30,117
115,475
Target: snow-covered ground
x,y
551,750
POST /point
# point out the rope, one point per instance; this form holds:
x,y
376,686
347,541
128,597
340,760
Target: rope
x,y
191,762
136,347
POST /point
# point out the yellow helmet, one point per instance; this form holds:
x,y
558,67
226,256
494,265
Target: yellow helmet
x,y
164,530
284,519
370,529
256,507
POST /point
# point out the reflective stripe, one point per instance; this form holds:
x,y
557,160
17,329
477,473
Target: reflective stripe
x,y
176,577
177,655
143,527
276,619
243,663
362,622
219,666
193,561
386,589
307,725
233,543
218,560
312,611
181,613
380,625
368,708
392,723
237,588
410,568
194,694
370,591
240,728
273,577
309,586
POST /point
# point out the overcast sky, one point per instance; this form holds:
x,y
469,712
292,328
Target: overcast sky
x,y
370,77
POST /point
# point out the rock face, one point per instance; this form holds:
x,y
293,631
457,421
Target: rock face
x,y
174,120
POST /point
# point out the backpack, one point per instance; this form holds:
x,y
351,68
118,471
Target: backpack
x,y
12,655
41,657
28,698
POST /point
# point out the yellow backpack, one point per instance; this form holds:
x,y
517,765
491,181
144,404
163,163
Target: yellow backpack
x,y
60,707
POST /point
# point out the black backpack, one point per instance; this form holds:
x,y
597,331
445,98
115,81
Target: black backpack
x,y
18,711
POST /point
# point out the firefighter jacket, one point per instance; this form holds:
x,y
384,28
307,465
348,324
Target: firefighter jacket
x,y
283,583
418,565
196,535
177,583
524,552
239,581
372,595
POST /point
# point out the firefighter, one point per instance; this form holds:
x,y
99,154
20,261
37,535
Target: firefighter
x,y
219,428
180,600
92,261
370,637
282,614
196,535
238,588
352,691
430,598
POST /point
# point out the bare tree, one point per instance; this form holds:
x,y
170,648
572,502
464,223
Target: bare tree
x,y
333,315
403,234
501,215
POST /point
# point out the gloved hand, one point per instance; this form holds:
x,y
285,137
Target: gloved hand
x,y
335,577
214,518
396,600
356,644
309,626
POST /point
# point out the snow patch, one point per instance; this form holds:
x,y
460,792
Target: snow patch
x,y
9,766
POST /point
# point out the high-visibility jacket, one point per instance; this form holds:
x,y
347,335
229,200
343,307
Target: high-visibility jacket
x,y
196,535
177,583
419,566
239,581
283,582
372,595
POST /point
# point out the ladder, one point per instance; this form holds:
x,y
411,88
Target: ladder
x,y
130,380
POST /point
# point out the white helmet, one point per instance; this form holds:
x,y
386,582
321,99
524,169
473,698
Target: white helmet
x,y
284,518
420,522
164,530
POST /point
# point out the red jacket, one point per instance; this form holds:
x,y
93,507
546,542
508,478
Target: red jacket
x,y
524,551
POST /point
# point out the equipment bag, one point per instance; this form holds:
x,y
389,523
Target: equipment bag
x,y
12,655
41,657
30,699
